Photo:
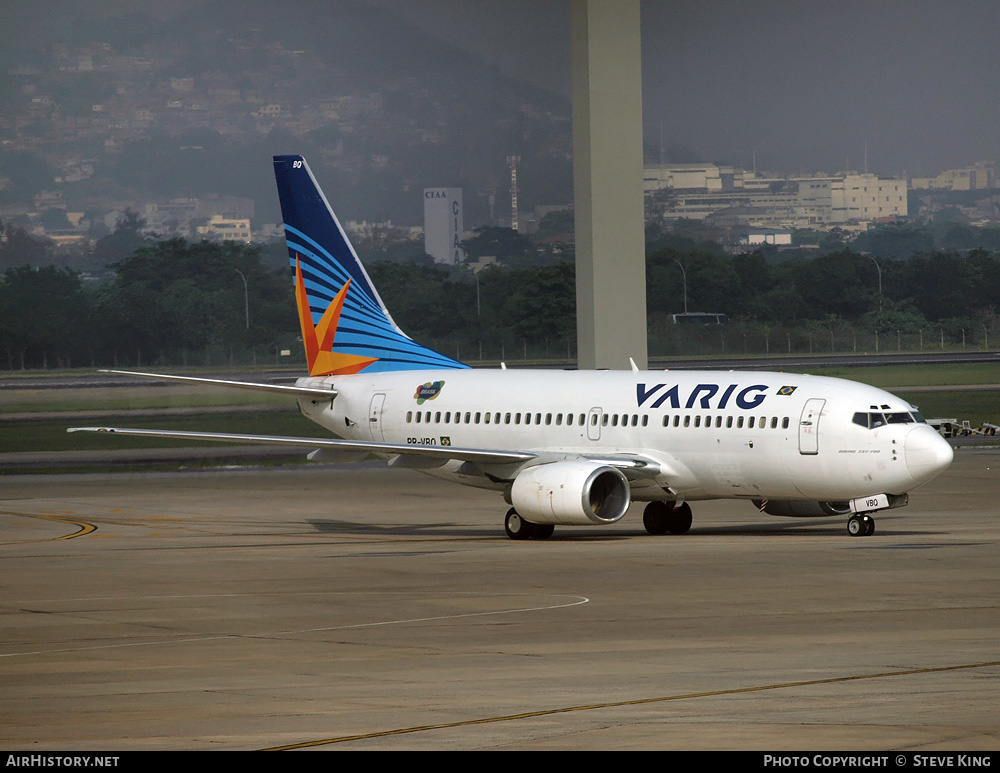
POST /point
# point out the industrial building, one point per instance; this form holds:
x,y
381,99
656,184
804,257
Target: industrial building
x,y
737,197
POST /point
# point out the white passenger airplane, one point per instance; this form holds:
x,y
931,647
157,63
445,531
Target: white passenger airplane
x,y
575,447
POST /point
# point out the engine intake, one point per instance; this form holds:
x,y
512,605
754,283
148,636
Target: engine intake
x,y
571,493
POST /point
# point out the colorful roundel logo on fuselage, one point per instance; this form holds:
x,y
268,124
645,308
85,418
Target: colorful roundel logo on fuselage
x,y
428,391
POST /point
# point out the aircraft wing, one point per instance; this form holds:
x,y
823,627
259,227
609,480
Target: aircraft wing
x,y
294,391
630,464
483,456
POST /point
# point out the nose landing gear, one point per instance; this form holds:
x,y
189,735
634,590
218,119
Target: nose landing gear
x,y
861,525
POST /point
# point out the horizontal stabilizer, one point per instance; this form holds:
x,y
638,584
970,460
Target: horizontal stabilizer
x,y
293,391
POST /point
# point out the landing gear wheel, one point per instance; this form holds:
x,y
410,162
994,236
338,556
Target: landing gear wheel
x,y
661,517
861,525
543,530
518,528
515,526
656,517
680,519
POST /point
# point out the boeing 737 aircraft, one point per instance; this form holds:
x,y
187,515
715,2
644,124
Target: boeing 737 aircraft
x,y
575,447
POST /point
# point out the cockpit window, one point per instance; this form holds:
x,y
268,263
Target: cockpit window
x,y
875,419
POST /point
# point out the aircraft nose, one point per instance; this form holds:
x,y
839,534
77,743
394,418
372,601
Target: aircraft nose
x,y
927,453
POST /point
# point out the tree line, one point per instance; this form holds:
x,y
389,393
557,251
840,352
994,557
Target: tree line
x,y
170,301
836,302
183,303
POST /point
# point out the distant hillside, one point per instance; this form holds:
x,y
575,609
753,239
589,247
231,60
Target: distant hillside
x,y
444,117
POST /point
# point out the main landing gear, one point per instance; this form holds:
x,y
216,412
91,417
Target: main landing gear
x,y
661,517
861,525
518,528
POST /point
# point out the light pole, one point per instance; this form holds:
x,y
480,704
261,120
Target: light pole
x,y
685,274
879,268
246,298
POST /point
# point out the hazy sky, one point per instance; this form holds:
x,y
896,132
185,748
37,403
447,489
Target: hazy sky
x,y
803,83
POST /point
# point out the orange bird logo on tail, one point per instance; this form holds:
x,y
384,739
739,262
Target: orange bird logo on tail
x,y
318,339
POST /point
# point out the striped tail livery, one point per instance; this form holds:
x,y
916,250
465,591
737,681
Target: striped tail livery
x,y
346,327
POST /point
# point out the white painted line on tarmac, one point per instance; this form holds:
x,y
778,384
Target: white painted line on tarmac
x,y
577,600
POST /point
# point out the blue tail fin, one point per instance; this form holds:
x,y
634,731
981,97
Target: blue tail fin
x,y
346,327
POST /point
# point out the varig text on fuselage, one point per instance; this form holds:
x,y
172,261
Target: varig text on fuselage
x,y
705,396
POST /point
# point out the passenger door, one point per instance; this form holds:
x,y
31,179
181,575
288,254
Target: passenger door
x,y
594,423
809,426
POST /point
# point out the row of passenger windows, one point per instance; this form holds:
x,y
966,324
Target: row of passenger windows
x,y
606,419
751,422
480,417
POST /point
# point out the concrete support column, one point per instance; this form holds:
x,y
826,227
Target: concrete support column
x,y
607,183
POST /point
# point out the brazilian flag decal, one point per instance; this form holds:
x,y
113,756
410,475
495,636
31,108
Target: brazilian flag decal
x,y
786,390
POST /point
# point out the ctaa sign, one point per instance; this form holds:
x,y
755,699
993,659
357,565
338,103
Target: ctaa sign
x,y
443,224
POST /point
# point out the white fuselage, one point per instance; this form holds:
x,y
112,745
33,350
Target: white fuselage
x,y
711,434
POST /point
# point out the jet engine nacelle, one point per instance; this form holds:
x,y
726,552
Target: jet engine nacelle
x,y
571,493
802,509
